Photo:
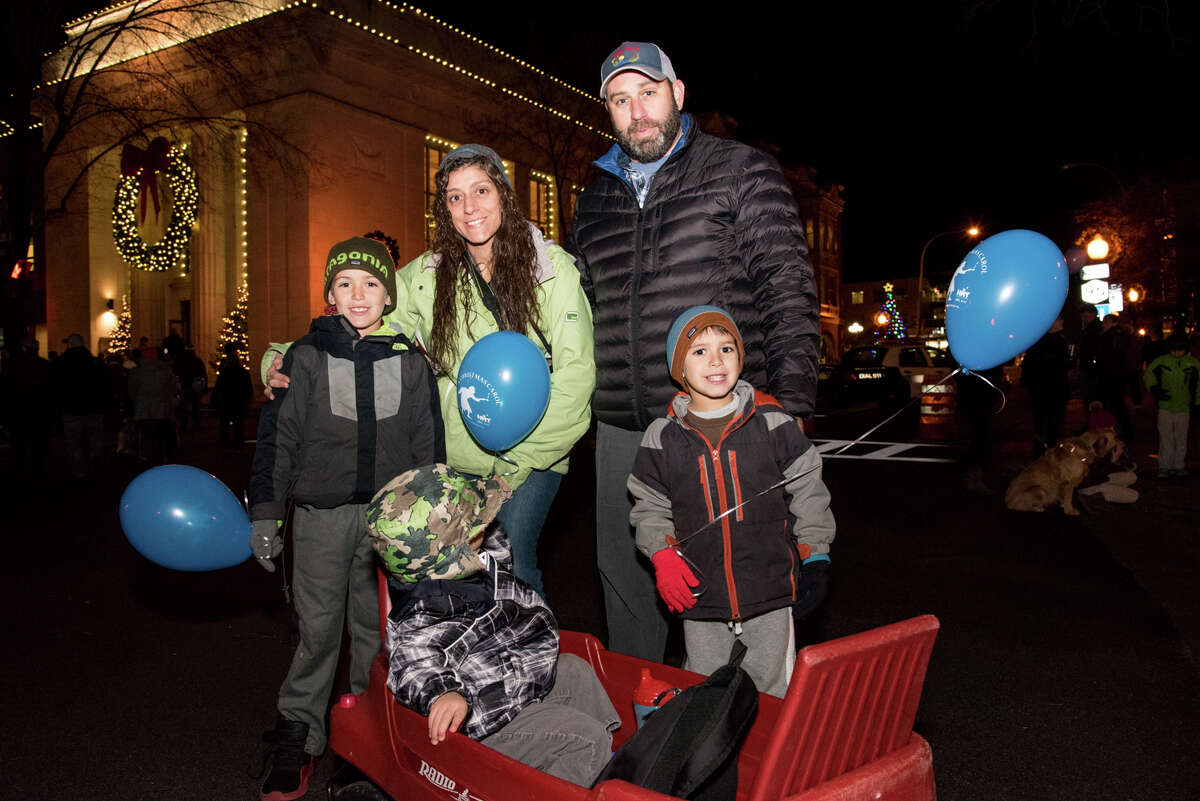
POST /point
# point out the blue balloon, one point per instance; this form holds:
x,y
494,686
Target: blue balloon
x,y
184,518
1004,297
503,389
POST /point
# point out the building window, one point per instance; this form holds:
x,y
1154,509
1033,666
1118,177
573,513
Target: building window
x,y
856,297
435,149
542,203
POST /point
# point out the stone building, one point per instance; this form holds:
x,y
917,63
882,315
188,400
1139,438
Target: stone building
x,y
821,211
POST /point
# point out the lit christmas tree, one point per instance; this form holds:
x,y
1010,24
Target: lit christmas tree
x,y
233,328
889,321
122,334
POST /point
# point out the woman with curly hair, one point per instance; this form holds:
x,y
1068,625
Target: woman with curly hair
x,y
491,270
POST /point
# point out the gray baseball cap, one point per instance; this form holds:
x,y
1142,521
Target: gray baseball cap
x,y
464,153
643,57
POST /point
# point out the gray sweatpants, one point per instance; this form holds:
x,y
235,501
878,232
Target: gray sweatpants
x,y
334,579
637,620
770,642
568,733
1172,439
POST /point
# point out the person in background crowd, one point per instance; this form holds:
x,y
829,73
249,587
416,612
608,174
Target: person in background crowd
x,y
1044,375
25,410
172,345
231,398
1089,354
193,380
82,392
155,393
1174,380
1116,372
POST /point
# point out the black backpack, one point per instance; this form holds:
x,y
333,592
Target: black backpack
x,y
688,747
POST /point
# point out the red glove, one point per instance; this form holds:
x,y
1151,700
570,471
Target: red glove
x,y
674,579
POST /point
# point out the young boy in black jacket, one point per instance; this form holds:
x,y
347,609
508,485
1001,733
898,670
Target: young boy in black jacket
x,y
361,408
731,562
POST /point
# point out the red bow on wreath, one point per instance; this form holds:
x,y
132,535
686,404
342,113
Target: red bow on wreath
x,y
144,164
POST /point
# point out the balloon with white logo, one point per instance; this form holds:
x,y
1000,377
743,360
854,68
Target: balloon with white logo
x,y
1003,297
503,389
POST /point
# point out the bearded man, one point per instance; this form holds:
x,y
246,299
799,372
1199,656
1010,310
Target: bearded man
x,y
676,219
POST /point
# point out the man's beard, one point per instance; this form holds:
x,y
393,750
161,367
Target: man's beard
x,y
654,148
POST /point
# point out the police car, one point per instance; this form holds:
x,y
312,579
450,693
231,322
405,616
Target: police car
x,y
888,373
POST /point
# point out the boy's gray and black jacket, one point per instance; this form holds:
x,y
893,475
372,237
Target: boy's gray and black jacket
x,y
357,412
748,561
490,638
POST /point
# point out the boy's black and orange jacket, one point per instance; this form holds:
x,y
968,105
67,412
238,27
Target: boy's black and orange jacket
x,y
748,561
358,411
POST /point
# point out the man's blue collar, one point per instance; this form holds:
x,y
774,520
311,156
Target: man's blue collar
x,y
611,161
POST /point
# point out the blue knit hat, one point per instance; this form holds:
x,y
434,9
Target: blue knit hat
x,y
687,326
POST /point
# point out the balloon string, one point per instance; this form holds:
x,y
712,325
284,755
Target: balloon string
x,y
896,414
817,467
727,512
1003,397
504,458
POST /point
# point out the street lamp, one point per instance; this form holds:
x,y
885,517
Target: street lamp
x,y
972,232
1097,249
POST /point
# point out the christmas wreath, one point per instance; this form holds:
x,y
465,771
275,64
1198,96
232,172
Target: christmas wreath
x,y
139,183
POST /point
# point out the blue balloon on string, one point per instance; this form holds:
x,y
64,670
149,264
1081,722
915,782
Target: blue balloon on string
x,y
184,518
1004,297
503,389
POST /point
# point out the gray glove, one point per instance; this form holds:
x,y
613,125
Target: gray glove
x,y
265,542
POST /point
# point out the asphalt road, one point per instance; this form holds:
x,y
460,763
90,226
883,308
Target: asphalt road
x,y
1066,664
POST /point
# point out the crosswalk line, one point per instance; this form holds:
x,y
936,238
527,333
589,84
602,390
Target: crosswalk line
x,y
885,451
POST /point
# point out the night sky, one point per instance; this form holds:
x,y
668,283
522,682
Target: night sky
x,y
932,115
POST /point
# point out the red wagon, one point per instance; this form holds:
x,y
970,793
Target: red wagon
x,y
843,733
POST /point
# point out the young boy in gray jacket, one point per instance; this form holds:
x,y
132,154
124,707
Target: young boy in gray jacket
x,y
730,507
361,407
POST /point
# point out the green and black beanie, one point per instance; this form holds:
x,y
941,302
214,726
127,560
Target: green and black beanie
x,y
361,253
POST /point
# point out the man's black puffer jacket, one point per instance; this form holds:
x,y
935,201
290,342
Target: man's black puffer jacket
x,y
719,227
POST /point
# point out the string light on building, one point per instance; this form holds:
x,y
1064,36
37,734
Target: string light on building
x,y
171,249
243,226
542,198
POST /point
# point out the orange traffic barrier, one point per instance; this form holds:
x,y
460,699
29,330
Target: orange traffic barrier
x,y
937,412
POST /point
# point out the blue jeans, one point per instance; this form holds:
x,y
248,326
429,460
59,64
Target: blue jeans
x,y
522,517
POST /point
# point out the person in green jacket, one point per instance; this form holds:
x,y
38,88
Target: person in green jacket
x,y
1174,379
490,270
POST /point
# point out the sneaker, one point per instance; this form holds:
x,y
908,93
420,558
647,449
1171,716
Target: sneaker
x,y
1181,473
291,766
1164,474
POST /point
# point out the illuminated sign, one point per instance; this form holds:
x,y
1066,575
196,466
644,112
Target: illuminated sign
x,y
1094,291
1116,300
1091,271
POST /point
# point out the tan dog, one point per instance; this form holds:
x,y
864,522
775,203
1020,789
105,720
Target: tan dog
x,y
1105,444
1052,478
